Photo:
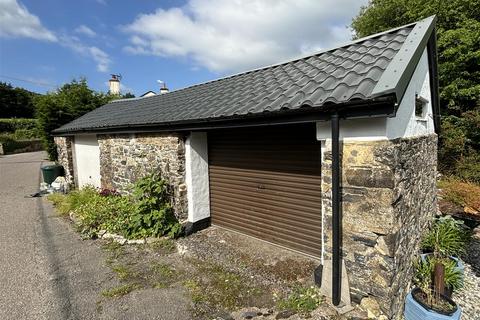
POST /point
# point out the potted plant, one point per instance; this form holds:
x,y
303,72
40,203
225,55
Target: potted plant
x,y
427,301
446,239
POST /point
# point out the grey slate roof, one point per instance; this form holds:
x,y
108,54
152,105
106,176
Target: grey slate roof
x,y
360,70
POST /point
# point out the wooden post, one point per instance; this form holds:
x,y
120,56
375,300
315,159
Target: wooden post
x,y
439,280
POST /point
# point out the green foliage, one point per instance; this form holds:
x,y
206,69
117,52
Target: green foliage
x,y
146,213
12,125
10,143
447,237
15,102
69,102
120,290
458,33
424,273
302,300
154,215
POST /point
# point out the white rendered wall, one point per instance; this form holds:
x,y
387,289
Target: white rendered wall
x,y
87,160
405,124
196,174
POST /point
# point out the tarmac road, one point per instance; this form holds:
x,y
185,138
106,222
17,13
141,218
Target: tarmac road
x,y
47,271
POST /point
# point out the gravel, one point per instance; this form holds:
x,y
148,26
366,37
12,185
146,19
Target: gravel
x,y
468,298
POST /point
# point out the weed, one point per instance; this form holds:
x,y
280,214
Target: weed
x,y
163,245
223,289
163,270
194,288
302,300
120,291
123,272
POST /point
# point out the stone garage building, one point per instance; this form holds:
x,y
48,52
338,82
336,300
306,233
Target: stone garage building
x,y
332,155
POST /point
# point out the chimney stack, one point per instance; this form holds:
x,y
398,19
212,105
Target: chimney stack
x,y
163,87
114,84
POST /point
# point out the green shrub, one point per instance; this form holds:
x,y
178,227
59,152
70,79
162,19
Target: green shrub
x,y
447,237
10,143
154,215
69,102
145,213
14,124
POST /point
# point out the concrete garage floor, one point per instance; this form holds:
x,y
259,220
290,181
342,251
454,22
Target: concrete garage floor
x,y
48,271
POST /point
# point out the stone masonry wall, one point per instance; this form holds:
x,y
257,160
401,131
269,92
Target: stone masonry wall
x,y
65,157
388,199
124,158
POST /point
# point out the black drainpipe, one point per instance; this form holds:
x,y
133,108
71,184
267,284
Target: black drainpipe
x,y
336,217
336,214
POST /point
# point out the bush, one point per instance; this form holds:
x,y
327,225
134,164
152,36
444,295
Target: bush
x,y
447,237
459,152
145,213
10,143
463,194
69,102
12,125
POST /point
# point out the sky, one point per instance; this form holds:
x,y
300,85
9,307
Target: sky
x,y
44,44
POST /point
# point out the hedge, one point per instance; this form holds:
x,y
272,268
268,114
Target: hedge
x,y
14,124
10,145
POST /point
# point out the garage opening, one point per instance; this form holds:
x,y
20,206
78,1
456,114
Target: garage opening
x,y
265,182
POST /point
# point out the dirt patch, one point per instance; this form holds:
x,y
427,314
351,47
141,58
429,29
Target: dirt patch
x,y
222,273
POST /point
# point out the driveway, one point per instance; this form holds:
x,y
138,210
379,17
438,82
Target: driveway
x,y
47,271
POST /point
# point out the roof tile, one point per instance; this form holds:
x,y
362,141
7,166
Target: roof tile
x,y
335,76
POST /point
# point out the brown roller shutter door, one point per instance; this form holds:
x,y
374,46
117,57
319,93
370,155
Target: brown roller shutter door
x,y
265,182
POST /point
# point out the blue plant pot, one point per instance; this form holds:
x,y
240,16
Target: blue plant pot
x,y
415,311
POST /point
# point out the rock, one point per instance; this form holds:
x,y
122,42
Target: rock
x,y
476,233
224,316
182,250
285,314
384,247
136,241
249,314
115,237
268,312
371,306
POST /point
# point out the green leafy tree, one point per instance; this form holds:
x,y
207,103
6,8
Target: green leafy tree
x,y
69,102
458,34
15,102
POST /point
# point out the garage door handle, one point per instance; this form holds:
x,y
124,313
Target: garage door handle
x,y
260,186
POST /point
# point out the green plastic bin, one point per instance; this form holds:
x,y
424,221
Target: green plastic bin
x,y
51,172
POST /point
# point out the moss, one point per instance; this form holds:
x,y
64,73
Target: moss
x,y
222,289
163,246
120,290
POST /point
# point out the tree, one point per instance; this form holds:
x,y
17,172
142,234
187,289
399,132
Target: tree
x,y
15,102
69,102
128,95
458,34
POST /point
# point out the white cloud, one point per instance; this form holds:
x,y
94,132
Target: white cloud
x,y
83,29
17,22
236,35
101,58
